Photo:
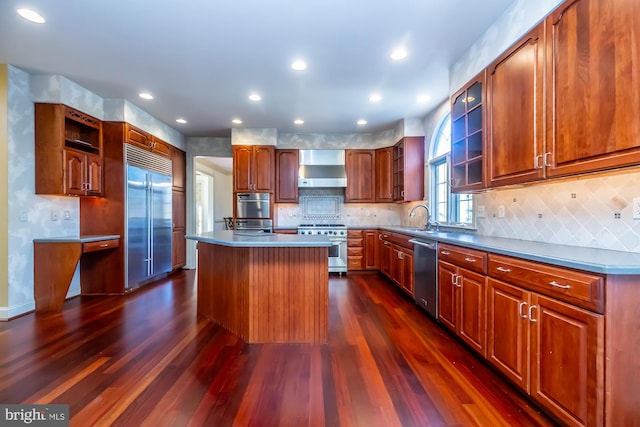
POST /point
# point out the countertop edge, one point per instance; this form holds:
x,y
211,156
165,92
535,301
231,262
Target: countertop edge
x,y
77,239
228,238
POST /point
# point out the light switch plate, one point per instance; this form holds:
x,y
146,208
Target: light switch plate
x,y
501,212
54,216
481,212
636,208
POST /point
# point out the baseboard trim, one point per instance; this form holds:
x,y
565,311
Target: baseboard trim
x,y
8,313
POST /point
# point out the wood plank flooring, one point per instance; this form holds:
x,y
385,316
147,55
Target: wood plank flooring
x,y
148,359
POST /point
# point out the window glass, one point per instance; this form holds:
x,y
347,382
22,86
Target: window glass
x,y
448,209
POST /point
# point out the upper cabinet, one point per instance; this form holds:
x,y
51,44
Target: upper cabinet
x,y
253,168
408,169
144,140
593,86
384,175
468,136
287,176
360,166
178,169
515,107
68,151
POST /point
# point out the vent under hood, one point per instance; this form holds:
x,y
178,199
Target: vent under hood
x,y
322,168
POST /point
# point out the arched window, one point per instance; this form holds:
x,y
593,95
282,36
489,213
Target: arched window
x,y
447,208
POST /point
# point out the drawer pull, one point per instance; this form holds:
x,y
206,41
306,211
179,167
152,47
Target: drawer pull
x,y
504,270
558,285
104,245
469,259
522,314
531,307
445,252
379,236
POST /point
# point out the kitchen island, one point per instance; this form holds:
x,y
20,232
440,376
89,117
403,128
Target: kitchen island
x,y
266,288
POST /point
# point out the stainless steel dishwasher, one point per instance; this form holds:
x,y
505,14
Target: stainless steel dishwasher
x,y
425,275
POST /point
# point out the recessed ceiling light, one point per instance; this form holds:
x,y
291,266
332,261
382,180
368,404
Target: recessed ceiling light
x,y
422,98
145,95
31,15
398,54
299,65
255,97
375,98
181,121
298,121
362,122
236,121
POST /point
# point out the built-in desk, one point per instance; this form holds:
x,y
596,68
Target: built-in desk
x,y
55,261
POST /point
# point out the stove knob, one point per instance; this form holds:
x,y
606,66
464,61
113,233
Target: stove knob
x,y
326,232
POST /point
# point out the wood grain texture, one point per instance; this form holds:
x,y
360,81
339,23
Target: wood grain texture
x,y
360,167
287,176
148,359
54,265
265,295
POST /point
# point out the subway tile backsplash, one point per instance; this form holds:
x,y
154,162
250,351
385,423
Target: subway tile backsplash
x,y
591,211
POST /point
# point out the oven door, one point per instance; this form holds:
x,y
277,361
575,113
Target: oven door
x,y
253,205
338,256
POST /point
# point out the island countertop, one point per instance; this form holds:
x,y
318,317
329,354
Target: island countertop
x,y
261,240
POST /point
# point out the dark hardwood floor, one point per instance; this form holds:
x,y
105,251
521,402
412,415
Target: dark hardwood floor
x,y
148,359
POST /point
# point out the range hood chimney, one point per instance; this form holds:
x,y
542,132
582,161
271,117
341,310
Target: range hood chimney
x,y
322,168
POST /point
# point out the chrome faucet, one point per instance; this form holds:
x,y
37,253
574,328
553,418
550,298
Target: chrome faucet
x,y
428,224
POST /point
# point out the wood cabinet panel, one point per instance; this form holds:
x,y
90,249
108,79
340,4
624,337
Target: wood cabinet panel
x,y
179,209
567,368
287,162
384,175
508,331
160,147
515,112
100,245
178,249
384,252
264,169
408,169
242,168
471,309
253,168
468,258
371,250
360,168
447,295
179,169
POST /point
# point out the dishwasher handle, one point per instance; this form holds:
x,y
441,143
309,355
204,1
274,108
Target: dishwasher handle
x,y
428,245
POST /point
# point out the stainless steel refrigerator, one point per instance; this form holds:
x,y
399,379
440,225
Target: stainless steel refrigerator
x,y
149,221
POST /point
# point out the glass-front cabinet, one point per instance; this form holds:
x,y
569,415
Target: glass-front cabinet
x,y
467,136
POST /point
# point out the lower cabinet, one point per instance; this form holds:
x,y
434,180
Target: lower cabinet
x,y
396,259
362,250
550,349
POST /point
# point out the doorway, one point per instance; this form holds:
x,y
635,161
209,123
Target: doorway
x,y
213,192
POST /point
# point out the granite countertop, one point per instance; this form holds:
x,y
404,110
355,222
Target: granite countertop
x,y
582,258
248,239
77,239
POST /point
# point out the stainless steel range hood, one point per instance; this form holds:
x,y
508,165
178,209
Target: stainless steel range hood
x,y
322,168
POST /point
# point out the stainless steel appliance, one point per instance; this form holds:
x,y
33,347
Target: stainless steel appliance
x,y
338,249
322,168
148,217
253,206
425,275
253,226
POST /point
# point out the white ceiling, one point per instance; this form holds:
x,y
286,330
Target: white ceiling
x,y
202,58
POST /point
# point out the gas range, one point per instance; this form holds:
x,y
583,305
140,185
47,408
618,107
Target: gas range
x,y
331,230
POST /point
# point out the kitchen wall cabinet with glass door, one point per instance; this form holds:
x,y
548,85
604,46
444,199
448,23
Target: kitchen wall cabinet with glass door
x,y
468,136
408,169
253,168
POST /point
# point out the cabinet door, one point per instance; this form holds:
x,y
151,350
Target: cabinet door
x,y
567,371
385,257
137,137
407,272
593,87
178,249
74,172
447,295
508,331
94,171
179,169
242,168
395,265
160,147
515,104
263,169
370,250
360,176
412,169
384,175
287,176
179,209
472,309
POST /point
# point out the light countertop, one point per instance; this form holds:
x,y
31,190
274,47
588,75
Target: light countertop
x,y
247,239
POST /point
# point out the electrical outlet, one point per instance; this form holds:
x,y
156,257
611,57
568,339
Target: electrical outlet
x,y
67,215
481,212
636,208
367,213
54,216
501,212
24,216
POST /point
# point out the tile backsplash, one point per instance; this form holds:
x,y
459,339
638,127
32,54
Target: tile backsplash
x,y
590,211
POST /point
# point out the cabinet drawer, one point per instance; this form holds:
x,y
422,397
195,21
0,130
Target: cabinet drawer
x,y
470,259
357,242
355,263
351,251
400,240
100,245
576,287
355,234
